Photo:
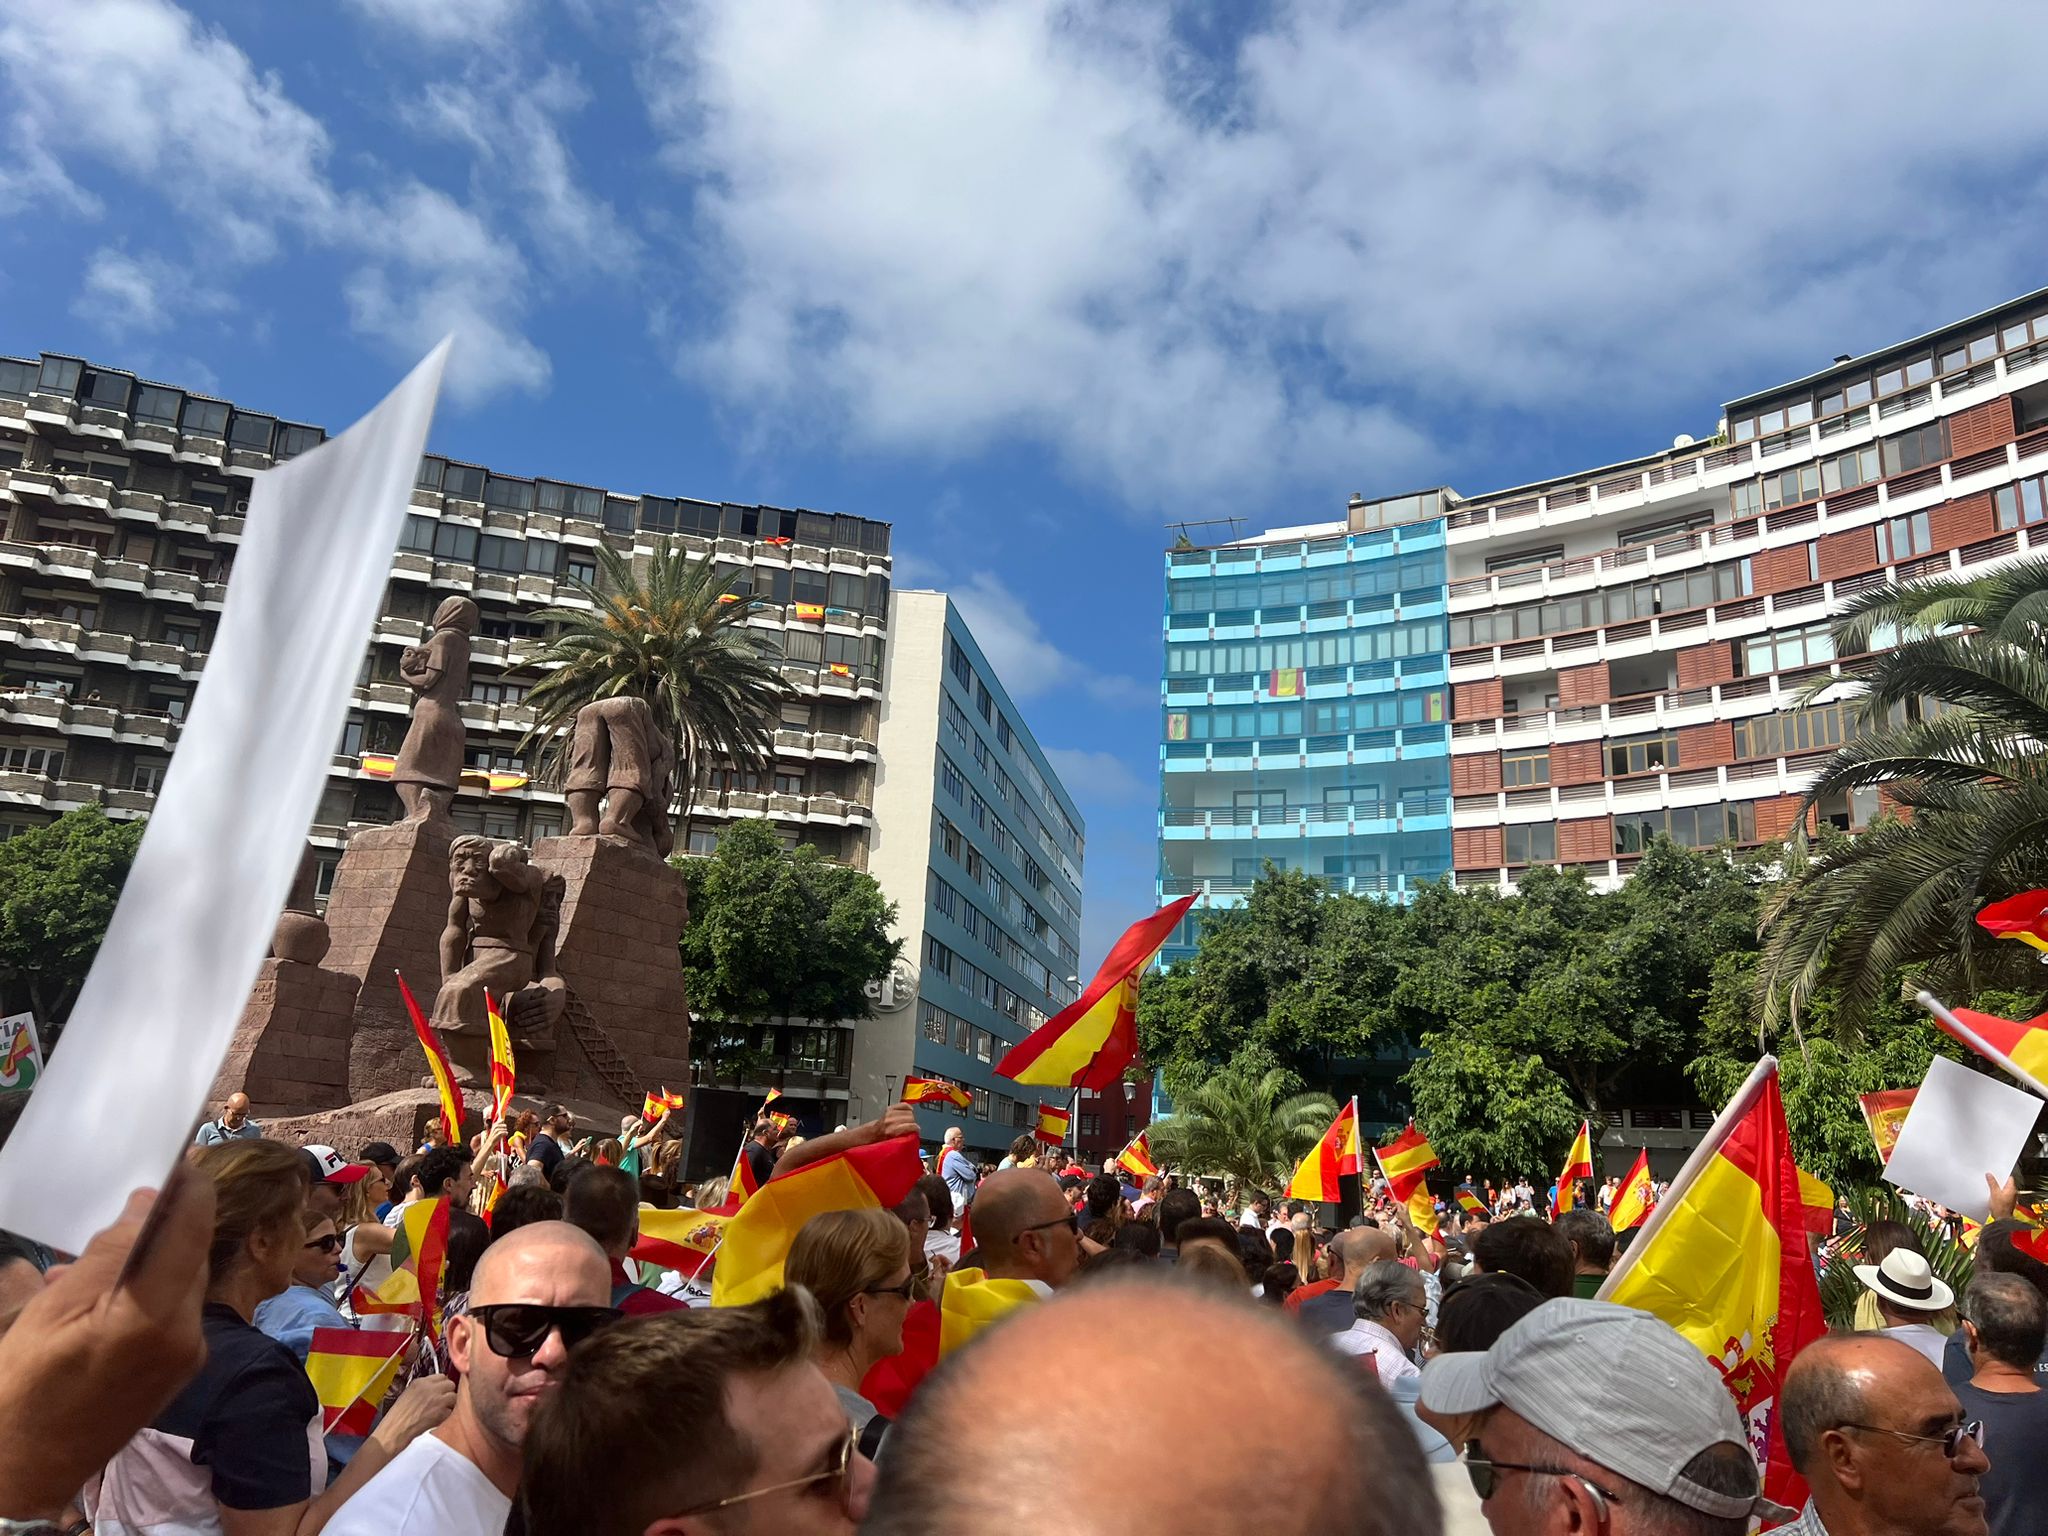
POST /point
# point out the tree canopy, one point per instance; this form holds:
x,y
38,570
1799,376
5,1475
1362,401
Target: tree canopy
x,y
58,887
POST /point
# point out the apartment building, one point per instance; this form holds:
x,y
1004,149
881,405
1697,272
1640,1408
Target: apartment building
x,y
1629,650
980,846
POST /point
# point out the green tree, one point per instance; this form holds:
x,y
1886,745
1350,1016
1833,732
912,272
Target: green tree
x,y
776,934
1245,1124
58,887
676,637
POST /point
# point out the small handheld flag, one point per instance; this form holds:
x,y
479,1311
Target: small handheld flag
x,y
419,1255
931,1090
1470,1203
351,1369
1052,1124
504,1076
1136,1159
654,1105
2019,1048
677,1239
1885,1114
1333,1156
439,1065
1404,1162
1578,1164
1633,1197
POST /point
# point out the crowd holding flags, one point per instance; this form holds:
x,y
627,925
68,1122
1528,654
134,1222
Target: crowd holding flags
x,y
1578,1164
1404,1162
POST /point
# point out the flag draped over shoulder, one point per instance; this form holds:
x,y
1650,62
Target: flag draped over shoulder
x,y
1088,1043
1723,1260
1578,1164
1631,1206
419,1253
971,1301
1329,1159
504,1075
1052,1124
876,1176
1136,1159
1403,1163
2019,1048
351,1369
440,1066
932,1090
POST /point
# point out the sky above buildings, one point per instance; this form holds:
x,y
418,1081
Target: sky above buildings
x,y
1033,281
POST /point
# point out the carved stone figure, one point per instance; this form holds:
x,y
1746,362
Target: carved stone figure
x,y
618,757
429,768
499,938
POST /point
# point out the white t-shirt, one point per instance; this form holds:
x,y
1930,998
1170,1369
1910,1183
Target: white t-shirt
x,y
429,1489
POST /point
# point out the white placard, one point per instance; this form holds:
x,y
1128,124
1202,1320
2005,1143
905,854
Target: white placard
x,y
159,1007
1962,1126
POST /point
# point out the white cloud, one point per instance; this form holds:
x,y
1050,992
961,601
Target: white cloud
x,y
130,295
1099,777
445,22
1027,662
936,225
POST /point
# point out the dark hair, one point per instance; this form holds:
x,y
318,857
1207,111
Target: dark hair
x,y
1111,1261
639,1430
468,1237
1210,1264
1176,1206
258,1186
2010,1318
1105,1194
522,1205
438,1167
1282,1239
1139,1237
1023,1147
1881,1237
1533,1249
1591,1236
938,1194
605,1202
1280,1282
566,1169
1479,1309
1214,1228
1998,1254
401,1176
1255,1253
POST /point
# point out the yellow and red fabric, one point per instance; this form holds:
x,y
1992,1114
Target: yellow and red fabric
x,y
970,1301
1578,1164
1470,1203
1634,1197
2020,1048
419,1256
889,1382
1885,1115
1052,1124
756,1241
504,1074
678,1239
1404,1162
2023,917
1088,1043
654,1105
932,1090
742,1184
351,1369
439,1065
1333,1156
810,613
1136,1159
1725,1264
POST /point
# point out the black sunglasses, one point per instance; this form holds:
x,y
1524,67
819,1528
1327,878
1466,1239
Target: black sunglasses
x,y
328,1244
906,1290
1484,1471
1070,1221
519,1328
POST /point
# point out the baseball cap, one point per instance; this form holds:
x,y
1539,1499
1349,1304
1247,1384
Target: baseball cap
x,y
1615,1385
378,1152
333,1170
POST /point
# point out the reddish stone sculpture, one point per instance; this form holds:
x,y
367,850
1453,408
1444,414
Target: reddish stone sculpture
x,y
429,768
620,757
499,938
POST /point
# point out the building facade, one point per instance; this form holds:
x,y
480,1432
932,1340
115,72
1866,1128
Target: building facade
x,y
980,846
1628,649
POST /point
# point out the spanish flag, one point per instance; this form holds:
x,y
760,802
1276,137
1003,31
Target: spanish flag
x,y
1052,1124
1632,1199
504,1075
677,1239
2023,917
1088,1043
1330,1158
875,1176
1470,1203
970,1301
440,1066
930,1090
2021,1049
1578,1164
811,613
1723,1260
1404,1162
1884,1113
742,1184
655,1105
351,1369
1136,1159
419,1256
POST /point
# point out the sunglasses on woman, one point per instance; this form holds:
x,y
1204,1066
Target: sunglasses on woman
x,y
329,1244
519,1328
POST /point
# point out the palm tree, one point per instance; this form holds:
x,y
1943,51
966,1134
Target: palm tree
x,y
1951,725
677,638
1242,1124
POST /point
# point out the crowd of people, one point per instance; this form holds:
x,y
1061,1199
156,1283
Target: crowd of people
x,y
1029,1345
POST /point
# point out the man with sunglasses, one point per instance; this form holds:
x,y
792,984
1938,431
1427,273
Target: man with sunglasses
x,y
537,1292
1882,1442
1586,1417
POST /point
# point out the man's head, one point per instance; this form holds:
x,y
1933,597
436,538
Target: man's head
x,y
327,1182
938,1199
235,1111
1532,1249
1262,1206
511,1347
955,1138
1591,1237
1869,1424
558,1121
963,1459
604,1202
1391,1294
380,1155
1355,1249
2004,1320
1568,1442
1906,1288
1998,1254
685,1411
1025,1228
1479,1309
444,1173
1176,1206
767,1130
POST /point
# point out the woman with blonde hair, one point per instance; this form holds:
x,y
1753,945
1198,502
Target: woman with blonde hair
x,y
857,1263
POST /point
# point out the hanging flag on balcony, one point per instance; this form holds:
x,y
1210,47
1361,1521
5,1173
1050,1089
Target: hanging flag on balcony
x,y
1177,726
1285,683
840,669
810,613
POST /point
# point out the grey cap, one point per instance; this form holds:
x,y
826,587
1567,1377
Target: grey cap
x,y
1615,1385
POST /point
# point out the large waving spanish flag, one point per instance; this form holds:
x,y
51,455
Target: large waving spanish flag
x,y
1632,1198
1332,1157
1136,1159
1088,1043
757,1239
419,1257
1404,1162
504,1072
1578,1164
2021,1049
1723,1260
440,1066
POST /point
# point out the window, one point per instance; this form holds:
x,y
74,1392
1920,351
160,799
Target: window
x,y
184,636
1535,843
157,406
204,418
418,536
1799,730
463,482
619,515
958,664
452,541
542,556
59,376
17,379
1642,754
40,760
295,440
950,780
1524,769
703,841
1792,486
789,783
508,495
1690,826
1791,648
1901,538
581,568
148,774
1905,376
429,477
1746,499
251,433
2021,503
1916,449
1846,471
481,692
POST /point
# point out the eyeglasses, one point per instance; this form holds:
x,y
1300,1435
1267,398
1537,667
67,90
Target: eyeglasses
x,y
1950,1440
839,1473
905,1290
1070,1221
1484,1472
328,1244
520,1328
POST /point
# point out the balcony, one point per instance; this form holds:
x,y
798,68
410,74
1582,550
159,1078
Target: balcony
x,y
86,491
198,448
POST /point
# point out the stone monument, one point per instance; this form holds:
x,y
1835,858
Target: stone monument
x,y
498,942
429,768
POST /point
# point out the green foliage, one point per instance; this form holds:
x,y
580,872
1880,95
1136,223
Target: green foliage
x,y
1243,1123
58,887
1840,1290
775,934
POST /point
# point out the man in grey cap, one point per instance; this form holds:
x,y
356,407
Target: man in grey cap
x,y
1608,1420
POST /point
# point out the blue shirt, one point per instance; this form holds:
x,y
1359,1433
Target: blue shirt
x,y
291,1317
214,1132
958,1173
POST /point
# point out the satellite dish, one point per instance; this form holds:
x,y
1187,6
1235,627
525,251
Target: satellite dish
x,y
1683,440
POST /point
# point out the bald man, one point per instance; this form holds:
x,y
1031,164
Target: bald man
x,y
1025,1229
234,1124
963,1459
1352,1251
536,1292
1877,1434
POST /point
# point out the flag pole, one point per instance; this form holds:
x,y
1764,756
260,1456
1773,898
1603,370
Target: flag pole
x,y
1977,1043
1704,1153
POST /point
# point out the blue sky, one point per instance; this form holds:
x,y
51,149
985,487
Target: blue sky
x,y
1029,279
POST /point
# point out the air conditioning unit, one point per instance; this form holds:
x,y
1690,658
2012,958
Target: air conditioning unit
x,y
241,506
